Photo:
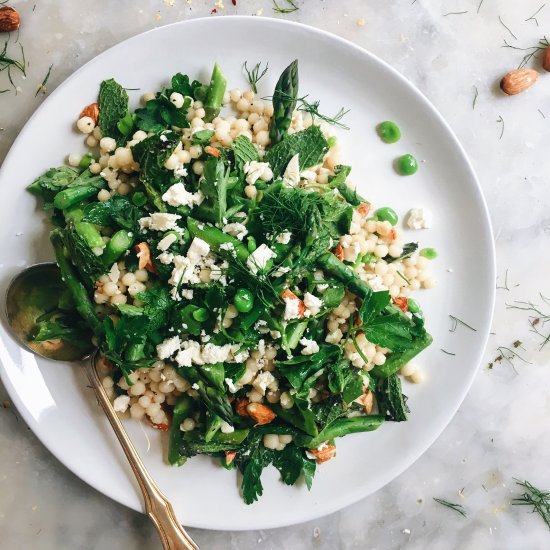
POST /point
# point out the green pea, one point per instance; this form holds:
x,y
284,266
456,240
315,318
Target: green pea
x,y
429,253
200,314
387,214
389,132
244,300
251,244
413,305
86,160
139,198
407,165
332,141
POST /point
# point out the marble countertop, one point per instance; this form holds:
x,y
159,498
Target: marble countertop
x,y
452,51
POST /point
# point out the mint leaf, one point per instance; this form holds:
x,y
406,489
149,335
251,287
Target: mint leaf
x,y
391,402
310,144
244,151
49,183
117,210
113,106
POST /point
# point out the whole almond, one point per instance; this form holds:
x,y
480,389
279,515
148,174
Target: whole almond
x,y
9,19
260,413
323,453
518,81
91,110
546,59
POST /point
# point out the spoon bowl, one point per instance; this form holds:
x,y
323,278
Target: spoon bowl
x,y
35,297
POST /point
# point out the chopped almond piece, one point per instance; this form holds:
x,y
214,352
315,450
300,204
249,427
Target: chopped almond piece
x,y
230,456
53,344
209,150
324,453
402,303
240,407
339,252
162,427
368,401
364,209
144,256
260,413
92,111
392,235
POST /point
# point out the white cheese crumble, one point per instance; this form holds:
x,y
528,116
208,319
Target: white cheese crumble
x,y
375,282
167,242
262,381
280,271
120,404
187,294
310,346
198,249
226,428
292,308
291,176
215,354
312,303
159,221
419,218
114,273
177,195
165,258
231,386
284,238
236,229
255,170
168,347
259,258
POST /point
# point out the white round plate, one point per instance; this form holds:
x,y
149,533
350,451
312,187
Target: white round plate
x,y
54,399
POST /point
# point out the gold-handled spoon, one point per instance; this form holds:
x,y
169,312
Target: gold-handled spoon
x,y
35,293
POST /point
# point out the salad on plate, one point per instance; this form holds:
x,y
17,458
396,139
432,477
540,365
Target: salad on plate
x,y
244,297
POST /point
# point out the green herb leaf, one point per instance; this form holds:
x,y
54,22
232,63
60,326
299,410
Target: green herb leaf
x,y
391,402
113,106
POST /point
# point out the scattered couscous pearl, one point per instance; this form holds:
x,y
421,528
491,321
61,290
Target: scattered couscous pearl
x,y
262,138
286,401
124,156
74,159
147,97
141,275
250,191
128,279
417,377
381,250
85,125
107,144
97,133
198,167
184,157
187,425
123,189
195,151
119,299
249,95
200,113
172,162
110,289
271,441
137,411
95,168
235,94
91,141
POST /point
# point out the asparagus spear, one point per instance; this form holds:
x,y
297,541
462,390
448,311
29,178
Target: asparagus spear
x,y
83,303
345,426
332,265
284,102
214,97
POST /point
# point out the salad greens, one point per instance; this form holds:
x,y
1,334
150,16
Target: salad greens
x,y
185,277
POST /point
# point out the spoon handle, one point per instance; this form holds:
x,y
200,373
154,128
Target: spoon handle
x,y
158,508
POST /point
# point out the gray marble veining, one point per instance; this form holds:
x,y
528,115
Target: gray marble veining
x,y
501,430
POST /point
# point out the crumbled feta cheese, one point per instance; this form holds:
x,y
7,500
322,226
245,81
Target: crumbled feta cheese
x,y
375,282
168,347
292,308
198,249
167,242
183,272
215,354
310,346
292,172
419,218
275,334
195,386
226,428
255,170
262,381
163,138
191,353
280,271
259,258
229,247
231,386
187,294
236,229
159,221
312,303
177,195
114,273
120,404
165,258
284,238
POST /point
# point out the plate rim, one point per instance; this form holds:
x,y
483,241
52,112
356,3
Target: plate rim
x,y
357,495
